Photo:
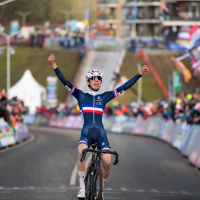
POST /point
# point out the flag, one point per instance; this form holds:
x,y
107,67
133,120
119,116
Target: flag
x,y
165,8
135,8
177,81
182,69
194,35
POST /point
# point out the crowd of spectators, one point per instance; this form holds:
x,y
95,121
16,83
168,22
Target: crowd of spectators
x,y
184,107
12,110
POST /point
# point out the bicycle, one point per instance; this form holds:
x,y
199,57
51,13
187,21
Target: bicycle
x,y
93,178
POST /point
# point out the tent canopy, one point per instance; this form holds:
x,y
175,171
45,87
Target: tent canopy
x,y
29,90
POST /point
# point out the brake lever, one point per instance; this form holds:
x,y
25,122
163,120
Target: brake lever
x,y
116,158
84,153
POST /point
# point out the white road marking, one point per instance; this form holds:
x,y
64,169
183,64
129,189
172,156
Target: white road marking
x,y
108,192
171,192
140,190
75,170
32,137
3,192
184,192
1,187
15,188
51,191
167,195
45,197
62,187
123,189
153,190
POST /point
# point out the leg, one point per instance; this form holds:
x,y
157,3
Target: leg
x,y
81,172
81,165
106,158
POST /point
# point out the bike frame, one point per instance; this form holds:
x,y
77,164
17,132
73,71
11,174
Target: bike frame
x,y
95,163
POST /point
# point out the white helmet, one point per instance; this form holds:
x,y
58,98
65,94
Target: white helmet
x,y
93,72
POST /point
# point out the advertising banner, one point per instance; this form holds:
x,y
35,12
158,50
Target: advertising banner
x,y
129,125
177,81
175,132
52,91
78,122
29,119
138,125
61,121
190,145
70,121
108,122
162,128
14,27
22,132
53,120
118,124
44,120
168,133
186,138
153,127
181,135
193,158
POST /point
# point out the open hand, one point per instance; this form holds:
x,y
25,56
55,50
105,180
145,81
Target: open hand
x,y
51,59
145,69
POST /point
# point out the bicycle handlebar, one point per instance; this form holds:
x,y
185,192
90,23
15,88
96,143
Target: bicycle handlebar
x,y
85,151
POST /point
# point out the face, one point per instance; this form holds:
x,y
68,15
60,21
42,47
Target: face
x,y
94,84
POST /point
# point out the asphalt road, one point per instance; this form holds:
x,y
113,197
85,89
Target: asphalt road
x,y
42,169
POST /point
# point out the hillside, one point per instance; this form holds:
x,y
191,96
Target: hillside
x,y
36,61
45,10
163,65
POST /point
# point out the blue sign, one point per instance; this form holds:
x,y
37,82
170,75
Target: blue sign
x,y
14,27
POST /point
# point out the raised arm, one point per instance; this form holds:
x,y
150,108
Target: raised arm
x,y
76,92
120,90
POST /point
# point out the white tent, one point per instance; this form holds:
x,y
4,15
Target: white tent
x,y
29,90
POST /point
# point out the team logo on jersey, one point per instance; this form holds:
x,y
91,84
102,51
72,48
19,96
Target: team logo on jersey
x,y
99,103
98,97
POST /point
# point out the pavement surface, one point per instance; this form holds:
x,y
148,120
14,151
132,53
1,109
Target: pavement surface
x,y
44,168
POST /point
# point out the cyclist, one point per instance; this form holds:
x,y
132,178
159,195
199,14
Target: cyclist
x,y
91,107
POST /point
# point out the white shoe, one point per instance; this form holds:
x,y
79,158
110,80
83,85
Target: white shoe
x,y
81,193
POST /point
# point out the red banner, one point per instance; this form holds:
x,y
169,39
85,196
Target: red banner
x,y
153,71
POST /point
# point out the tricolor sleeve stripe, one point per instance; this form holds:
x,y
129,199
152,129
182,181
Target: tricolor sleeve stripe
x,y
115,93
82,142
106,149
72,90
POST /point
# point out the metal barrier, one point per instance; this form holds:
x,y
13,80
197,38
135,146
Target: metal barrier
x,y
182,136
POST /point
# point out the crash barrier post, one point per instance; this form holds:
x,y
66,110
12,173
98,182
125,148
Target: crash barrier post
x,y
182,136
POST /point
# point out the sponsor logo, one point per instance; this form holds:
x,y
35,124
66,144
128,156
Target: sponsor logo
x,y
120,93
67,88
81,111
99,103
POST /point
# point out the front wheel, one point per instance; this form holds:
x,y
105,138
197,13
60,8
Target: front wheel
x,y
97,187
87,184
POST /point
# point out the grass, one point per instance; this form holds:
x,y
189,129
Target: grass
x,y
150,89
163,65
36,60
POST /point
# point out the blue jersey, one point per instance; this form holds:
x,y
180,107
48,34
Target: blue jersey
x,y
91,107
